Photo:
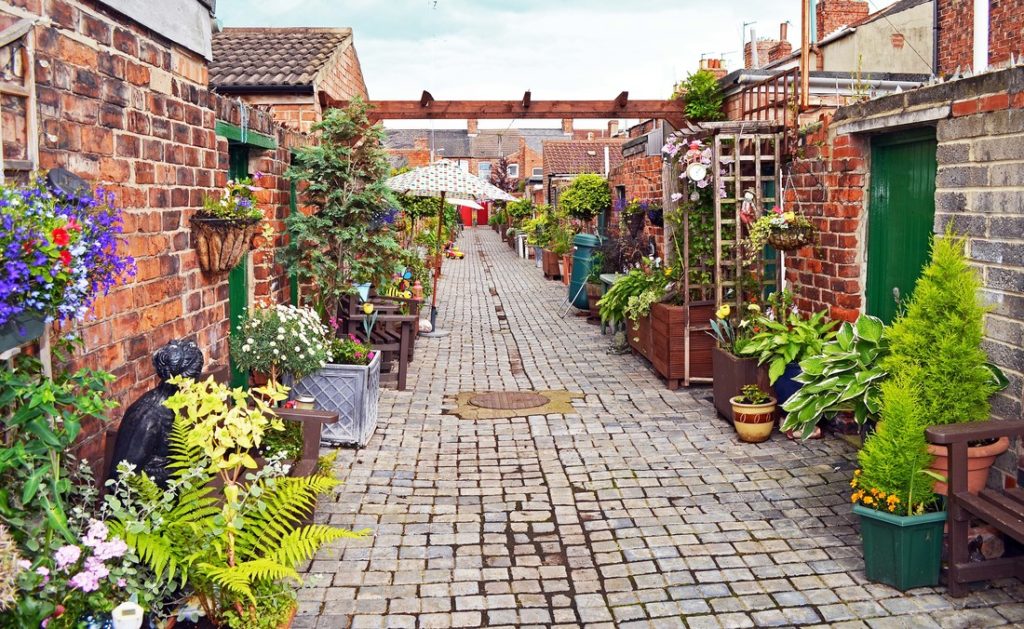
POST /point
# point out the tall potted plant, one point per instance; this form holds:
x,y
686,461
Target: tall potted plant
x,y
900,518
344,242
279,340
586,197
937,345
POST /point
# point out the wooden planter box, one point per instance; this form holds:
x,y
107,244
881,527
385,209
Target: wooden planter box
x,y
552,265
566,268
676,340
731,373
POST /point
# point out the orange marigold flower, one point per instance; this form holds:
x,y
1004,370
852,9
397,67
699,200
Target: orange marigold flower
x,y
868,500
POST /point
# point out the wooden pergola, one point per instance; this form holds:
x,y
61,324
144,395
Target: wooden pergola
x,y
427,108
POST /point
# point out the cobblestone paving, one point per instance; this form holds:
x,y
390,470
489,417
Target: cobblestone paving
x,y
640,509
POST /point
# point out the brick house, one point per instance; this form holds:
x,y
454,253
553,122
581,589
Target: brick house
x,y
640,175
287,69
121,99
564,160
970,40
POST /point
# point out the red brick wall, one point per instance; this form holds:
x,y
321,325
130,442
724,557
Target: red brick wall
x,y
956,32
641,175
826,182
831,14
124,108
342,77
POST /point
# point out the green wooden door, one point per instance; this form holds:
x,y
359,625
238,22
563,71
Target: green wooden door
x,y
901,217
238,278
293,207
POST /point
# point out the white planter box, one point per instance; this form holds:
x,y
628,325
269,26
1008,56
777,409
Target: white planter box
x,y
353,392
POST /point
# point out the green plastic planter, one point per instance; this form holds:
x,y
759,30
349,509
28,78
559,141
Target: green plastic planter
x,y
20,329
902,551
585,245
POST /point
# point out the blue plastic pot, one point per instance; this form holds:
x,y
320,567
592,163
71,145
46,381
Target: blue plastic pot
x,y
785,386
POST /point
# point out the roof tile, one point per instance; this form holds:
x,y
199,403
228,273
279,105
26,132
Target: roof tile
x,y
580,156
272,57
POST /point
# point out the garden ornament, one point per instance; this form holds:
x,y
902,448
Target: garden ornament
x,y
142,439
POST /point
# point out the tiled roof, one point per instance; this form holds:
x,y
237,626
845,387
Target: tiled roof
x,y
493,143
580,156
272,57
450,143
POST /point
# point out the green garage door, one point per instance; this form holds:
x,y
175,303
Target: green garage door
x,y
901,216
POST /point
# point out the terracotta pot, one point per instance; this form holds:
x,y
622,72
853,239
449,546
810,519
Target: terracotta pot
x,y
566,268
979,460
753,422
731,373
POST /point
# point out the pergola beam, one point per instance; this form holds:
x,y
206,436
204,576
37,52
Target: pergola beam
x,y
429,109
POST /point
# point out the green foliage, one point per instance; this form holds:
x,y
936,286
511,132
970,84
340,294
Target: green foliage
x,y
238,552
236,202
341,244
895,459
845,376
787,339
753,394
937,341
519,209
586,197
615,305
702,95
281,339
560,239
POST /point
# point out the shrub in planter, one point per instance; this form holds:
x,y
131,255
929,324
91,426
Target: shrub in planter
x,y
58,254
937,344
586,197
280,340
753,414
224,228
350,385
901,524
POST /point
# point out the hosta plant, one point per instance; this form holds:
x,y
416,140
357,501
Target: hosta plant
x,y
787,337
845,376
237,546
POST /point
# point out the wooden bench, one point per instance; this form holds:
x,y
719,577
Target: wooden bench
x,y
1003,510
394,334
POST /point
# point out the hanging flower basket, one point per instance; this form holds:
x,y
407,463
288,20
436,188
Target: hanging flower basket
x,y
791,238
221,243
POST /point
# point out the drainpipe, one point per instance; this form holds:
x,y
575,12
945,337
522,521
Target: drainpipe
x,y
607,162
814,21
980,35
935,37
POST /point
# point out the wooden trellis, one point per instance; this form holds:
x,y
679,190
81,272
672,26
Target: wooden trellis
x,y
19,154
746,167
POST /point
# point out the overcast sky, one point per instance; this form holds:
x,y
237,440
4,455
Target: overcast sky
x,y
559,49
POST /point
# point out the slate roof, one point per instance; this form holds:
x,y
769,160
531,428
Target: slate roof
x,y
272,57
455,142
581,156
487,144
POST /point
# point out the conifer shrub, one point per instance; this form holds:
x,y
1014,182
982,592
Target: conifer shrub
x,y
937,341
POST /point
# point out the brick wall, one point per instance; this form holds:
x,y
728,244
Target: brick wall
x,y
342,76
956,33
123,107
832,14
826,182
640,174
980,130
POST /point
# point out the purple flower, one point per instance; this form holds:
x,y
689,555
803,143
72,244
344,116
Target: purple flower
x,y
67,555
96,534
110,550
85,581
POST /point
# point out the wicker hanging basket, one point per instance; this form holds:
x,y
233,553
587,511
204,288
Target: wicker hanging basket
x,y
791,239
221,243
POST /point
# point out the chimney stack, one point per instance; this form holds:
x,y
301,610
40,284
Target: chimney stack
x,y
714,66
472,127
567,126
784,31
613,128
831,15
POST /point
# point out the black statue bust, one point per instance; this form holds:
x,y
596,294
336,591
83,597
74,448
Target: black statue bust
x,y
143,437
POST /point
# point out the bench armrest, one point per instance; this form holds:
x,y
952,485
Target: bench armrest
x,y
974,431
307,416
311,422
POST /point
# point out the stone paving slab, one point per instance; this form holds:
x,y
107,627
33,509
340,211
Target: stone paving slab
x,y
638,509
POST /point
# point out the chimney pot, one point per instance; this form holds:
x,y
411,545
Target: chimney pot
x,y
567,126
613,128
784,31
472,127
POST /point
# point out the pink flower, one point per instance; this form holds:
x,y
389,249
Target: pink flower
x,y
97,568
67,555
109,550
43,572
96,534
85,581
24,564
121,583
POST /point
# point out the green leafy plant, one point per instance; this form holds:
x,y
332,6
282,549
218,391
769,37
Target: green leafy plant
x,y
586,197
937,341
519,210
702,95
237,202
615,305
596,267
238,552
775,222
753,394
559,239
732,338
344,242
894,461
845,376
787,338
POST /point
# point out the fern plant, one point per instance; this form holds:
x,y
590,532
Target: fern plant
x,y
236,548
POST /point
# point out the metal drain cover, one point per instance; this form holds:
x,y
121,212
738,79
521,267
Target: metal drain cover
x,y
509,400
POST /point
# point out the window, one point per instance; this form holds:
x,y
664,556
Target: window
x,y
513,170
538,172
485,170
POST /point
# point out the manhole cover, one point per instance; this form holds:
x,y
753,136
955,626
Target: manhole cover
x,y
509,400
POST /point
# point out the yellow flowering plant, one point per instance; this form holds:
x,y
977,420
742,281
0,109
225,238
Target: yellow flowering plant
x,y
730,337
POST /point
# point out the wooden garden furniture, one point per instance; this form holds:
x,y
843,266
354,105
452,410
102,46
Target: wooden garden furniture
x,y
393,334
1003,510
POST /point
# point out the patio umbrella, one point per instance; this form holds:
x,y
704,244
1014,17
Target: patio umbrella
x,y
440,179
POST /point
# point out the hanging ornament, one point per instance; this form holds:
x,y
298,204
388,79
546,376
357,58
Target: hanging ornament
x,y
696,172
